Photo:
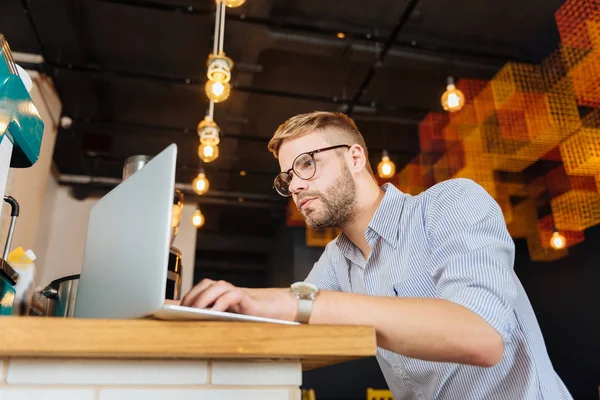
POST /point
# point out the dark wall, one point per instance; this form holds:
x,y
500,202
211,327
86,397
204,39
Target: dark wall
x,y
346,381
304,257
565,295
281,263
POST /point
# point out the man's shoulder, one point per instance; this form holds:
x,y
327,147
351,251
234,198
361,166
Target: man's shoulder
x,y
452,186
445,192
443,198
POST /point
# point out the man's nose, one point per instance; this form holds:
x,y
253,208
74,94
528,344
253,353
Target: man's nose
x,y
297,184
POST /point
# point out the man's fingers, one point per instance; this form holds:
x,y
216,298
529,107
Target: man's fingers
x,y
230,300
188,299
211,294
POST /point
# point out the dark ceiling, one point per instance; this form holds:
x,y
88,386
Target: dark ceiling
x,y
131,76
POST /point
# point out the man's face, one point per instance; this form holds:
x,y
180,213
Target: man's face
x,y
328,198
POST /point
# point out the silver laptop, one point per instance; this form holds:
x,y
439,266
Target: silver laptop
x,y
124,272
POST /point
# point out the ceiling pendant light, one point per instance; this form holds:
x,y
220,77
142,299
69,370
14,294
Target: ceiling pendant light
x,y
386,168
201,183
452,99
208,131
198,218
217,87
558,241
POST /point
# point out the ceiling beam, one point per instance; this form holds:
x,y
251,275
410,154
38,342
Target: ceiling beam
x,y
317,28
410,7
250,199
416,113
80,125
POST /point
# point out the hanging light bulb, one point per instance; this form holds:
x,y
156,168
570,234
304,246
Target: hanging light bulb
x,y
217,91
232,3
452,99
198,219
200,184
218,74
558,241
386,168
208,152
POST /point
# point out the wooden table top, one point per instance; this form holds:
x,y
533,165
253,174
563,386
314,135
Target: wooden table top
x,y
313,345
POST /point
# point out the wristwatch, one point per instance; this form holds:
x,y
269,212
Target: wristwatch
x,y
306,293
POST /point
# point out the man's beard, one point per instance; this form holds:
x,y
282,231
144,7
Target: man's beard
x,y
338,203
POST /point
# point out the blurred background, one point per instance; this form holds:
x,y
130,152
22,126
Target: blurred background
x,y
504,93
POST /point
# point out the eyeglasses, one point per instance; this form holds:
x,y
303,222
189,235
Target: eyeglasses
x,y
304,166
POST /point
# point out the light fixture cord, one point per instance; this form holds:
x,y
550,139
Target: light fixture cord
x,y
217,29
211,110
222,26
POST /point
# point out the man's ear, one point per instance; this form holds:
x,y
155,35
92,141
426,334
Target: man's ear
x,y
358,159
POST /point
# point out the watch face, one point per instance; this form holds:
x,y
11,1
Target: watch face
x,y
304,288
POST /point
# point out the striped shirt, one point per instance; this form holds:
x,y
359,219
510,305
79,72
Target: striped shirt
x,y
449,242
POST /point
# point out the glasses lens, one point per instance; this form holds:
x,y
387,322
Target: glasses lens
x,y
282,184
304,166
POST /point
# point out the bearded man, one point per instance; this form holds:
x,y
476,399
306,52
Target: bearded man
x,y
433,273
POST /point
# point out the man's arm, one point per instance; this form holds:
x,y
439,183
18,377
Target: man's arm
x,y
471,267
428,329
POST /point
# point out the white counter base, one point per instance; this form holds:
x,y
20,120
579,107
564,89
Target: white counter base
x,y
112,379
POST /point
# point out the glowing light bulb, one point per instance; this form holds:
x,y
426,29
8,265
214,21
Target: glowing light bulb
x,y
218,91
386,168
218,88
208,152
198,219
453,99
558,241
200,184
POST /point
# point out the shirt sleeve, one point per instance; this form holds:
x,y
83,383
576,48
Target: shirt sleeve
x,y
323,273
473,254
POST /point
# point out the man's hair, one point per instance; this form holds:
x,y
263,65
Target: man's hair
x,y
341,130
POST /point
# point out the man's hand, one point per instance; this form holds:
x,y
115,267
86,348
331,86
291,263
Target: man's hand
x,y
223,296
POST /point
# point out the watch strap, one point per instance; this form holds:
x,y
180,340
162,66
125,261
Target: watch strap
x,y
304,310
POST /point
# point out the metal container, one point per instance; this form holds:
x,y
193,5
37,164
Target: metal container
x,y
176,212
134,164
61,294
173,291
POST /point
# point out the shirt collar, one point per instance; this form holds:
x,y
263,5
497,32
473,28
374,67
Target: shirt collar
x,y
385,220
387,215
